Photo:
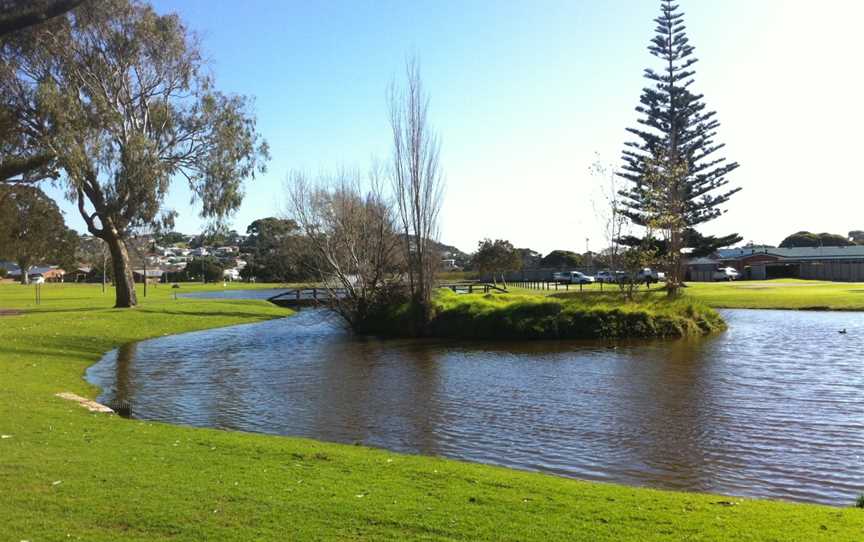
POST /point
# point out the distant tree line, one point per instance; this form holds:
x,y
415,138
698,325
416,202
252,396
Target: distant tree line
x,y
808,239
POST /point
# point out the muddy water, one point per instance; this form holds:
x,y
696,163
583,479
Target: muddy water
x,y
774,407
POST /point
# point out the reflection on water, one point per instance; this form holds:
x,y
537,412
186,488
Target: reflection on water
x,y
774,407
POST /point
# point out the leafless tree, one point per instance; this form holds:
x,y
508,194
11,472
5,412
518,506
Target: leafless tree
x,y
350,235
607,208
417,185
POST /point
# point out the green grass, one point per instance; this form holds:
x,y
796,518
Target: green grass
x,y
765,294
67,474
568,316
780,294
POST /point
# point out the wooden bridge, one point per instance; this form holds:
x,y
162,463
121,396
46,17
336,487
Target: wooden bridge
x,y
300,297
305,297
473,287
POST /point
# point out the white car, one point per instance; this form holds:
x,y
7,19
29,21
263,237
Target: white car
x,y
572,277
727,273
650,275
606,276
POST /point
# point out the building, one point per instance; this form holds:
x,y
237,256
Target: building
x,y
50,273
153,275
841,264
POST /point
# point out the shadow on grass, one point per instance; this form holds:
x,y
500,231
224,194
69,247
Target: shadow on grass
x,y
256,316
77,353
41,310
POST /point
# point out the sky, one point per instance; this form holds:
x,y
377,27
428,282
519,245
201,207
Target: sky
x,y
526,96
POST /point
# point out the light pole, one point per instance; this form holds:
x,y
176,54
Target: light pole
x,y
104,265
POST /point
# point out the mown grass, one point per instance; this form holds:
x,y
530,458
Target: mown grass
x,y
66,474
780,294
568,316
765,294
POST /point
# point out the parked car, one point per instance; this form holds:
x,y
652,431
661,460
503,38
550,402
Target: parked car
x,y
572,277
650,275
606,276
727,273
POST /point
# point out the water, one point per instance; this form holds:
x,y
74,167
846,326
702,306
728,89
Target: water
x,y
263,293
773,408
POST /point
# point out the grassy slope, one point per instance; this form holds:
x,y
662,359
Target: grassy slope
x,y
69,474
769,294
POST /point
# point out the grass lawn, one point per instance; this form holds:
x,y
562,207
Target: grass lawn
x,y
67,474
780,294
764,294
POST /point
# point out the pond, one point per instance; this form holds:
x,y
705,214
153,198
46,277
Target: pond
x,y
263,293
774,407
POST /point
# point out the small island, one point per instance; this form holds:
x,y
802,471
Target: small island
x,y
503,316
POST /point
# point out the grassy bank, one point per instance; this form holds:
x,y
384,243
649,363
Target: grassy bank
x,y
765,294
568,316
66,474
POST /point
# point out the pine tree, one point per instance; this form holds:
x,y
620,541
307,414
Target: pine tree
x,y
677,179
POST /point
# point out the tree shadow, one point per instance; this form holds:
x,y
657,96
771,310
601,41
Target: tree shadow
x,y
215,314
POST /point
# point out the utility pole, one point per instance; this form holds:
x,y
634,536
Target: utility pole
x,y
145,271
104,265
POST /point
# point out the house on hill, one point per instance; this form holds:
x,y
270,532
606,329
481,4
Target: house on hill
x,y
50,273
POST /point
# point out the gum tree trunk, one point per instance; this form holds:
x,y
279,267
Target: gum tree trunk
x,y
124,281
24,266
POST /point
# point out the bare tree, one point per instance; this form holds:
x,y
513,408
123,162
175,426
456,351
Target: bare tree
x,y
417,185
607,208
351,240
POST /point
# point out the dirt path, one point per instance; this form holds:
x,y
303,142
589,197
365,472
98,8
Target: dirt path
x,y
8,312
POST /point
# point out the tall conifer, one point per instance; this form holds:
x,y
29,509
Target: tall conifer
x,y
676,136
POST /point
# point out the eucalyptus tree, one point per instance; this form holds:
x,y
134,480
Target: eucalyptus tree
x,y
131,109
498,256
32,230
677,181
17,15
22,158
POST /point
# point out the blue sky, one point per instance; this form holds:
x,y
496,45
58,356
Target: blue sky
x,y
526,94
